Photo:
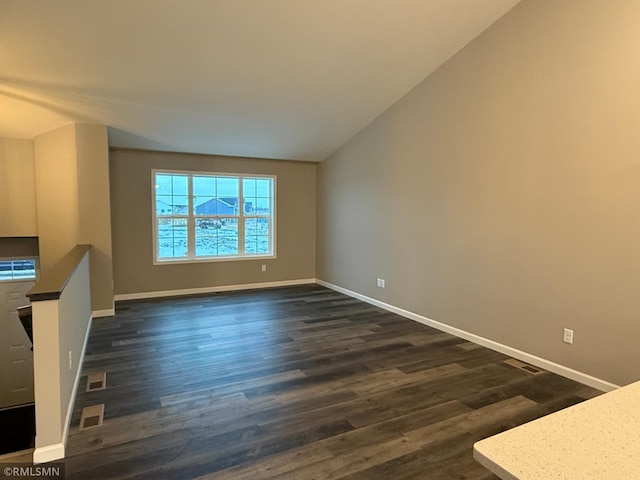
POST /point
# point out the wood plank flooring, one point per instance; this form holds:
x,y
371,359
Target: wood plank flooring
x,y
294,383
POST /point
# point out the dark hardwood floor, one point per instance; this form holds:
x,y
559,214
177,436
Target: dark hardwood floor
x,y
297,383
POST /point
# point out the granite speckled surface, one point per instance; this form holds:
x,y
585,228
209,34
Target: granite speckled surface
x,y
596,439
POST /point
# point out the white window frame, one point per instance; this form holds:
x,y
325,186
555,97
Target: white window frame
x,y
21,279
191,219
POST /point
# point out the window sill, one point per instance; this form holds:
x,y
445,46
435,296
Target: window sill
x,y
181,261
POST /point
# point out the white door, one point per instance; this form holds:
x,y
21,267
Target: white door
x,y
16,357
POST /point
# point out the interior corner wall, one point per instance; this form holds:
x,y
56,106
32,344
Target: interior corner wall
x,y
501,195
72,199
56,194
94,227
17,188
132,224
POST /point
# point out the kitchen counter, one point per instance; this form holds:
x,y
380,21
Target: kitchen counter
x,y
596,439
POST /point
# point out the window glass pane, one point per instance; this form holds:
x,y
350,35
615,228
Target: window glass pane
x,y
6,270
257,196
164,205
205,186
23,269
180,204
169,184
204,192
263,187
172,237
216,236
226,199
163,184
227,187
263,206
256,237
171,194
180,185
17,270
249,187
205,205
216,206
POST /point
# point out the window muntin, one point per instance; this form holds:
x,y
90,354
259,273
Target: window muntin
x,y
172,238
207,216
216,236
18,269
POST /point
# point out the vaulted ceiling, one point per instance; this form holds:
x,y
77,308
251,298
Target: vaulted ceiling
x,y
290,79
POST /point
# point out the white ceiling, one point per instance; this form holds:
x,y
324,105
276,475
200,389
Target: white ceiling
x,y
291,79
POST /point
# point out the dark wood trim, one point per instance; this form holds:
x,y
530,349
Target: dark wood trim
x,y
52,284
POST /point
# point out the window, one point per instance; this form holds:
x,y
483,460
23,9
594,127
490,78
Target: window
x,y
206,216
15,270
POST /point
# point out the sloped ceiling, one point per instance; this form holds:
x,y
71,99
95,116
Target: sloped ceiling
x,y
290,79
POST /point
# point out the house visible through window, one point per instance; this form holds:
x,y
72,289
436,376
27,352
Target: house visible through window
x,y
13,270
206,216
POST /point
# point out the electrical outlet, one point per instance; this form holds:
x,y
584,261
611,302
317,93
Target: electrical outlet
x,y
70,359
264,268
567,336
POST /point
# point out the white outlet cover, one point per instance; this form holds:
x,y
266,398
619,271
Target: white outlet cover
x,y
567,336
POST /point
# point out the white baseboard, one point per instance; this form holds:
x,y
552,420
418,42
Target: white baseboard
x,y
223,288
485,342
109,312
48,453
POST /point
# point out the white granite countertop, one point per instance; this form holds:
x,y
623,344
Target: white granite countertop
x,y
596,439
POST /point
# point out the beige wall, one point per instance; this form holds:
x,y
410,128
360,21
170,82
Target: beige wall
x,y
501,196
72,191
17,188
131,205
57,194
94,226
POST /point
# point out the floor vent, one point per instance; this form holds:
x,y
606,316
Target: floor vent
x,y
96,381
92,417
523,366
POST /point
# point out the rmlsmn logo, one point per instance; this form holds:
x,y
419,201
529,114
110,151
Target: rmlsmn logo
x,y
25,471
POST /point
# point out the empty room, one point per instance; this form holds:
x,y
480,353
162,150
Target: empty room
x,y
341,239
